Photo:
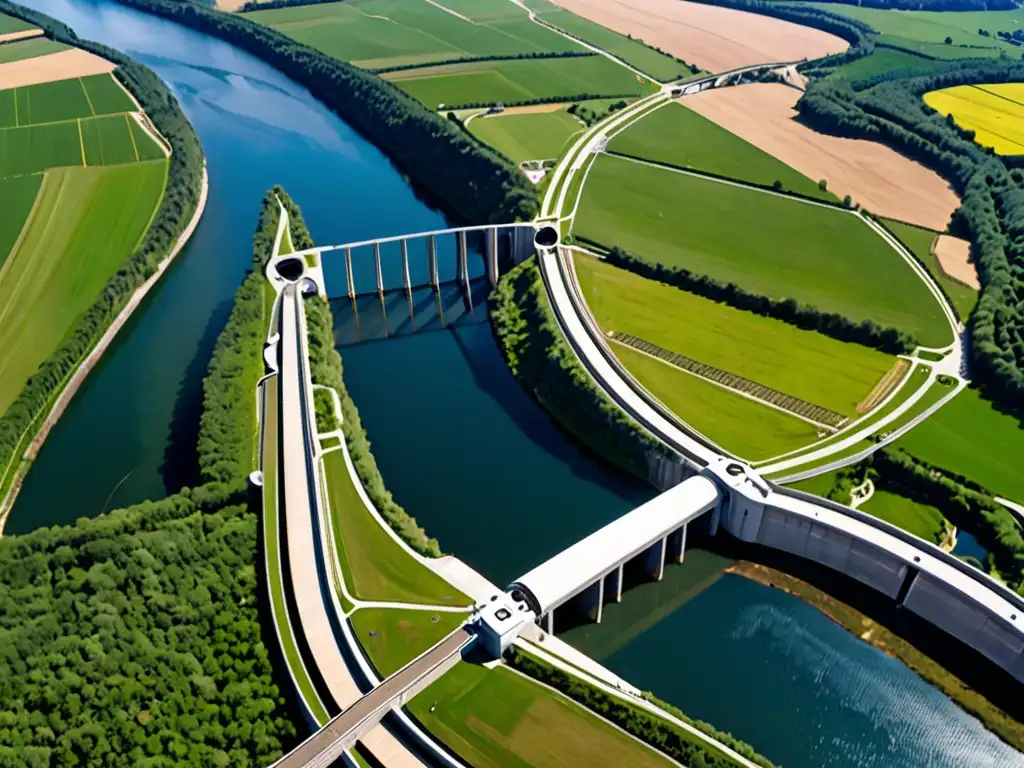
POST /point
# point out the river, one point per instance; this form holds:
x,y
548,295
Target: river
x,y
461,445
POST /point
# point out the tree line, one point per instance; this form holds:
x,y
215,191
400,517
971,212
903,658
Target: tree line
x,y
576,97
494,57
179,202
655,731
542,361
836,326
854,32
474,182
991,214
932,5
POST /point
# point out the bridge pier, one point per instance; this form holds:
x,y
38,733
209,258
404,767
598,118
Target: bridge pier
x,y
462,267
654,560
676,545
348,274
407,283
492,256
380,274
432,261
614,583
592,601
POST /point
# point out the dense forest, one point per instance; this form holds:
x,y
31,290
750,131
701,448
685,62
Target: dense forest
x,y
476,183
541,359
931,5
179,203
991,215
135,638
865,332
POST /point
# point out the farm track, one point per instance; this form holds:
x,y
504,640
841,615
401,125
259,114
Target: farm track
x,y
803,409
885,385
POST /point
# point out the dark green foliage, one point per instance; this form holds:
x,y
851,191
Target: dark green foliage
x,y
133,639
991,214
539,357
791,311
496,57
326,370
175,211
227,428
478,184
590,115
659,733
854,32
544,100
326,419
933,5
964,503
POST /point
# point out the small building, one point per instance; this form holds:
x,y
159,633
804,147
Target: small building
x,y
500,621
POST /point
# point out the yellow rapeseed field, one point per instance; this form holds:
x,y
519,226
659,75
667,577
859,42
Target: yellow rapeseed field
x,y
994,112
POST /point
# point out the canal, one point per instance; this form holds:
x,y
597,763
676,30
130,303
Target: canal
x,y
460,444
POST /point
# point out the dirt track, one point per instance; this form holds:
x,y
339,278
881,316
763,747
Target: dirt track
x,y
713,38
880,179
54,66
954,258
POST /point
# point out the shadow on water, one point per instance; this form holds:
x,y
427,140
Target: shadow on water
x,y
180,466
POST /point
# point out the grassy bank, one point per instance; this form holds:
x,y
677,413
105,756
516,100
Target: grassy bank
x,y
393,637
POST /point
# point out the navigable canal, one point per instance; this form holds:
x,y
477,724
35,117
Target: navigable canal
x,y
462,446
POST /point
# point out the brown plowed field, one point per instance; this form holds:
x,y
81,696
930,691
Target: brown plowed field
x,y
879,178
954,258
716,39
54,66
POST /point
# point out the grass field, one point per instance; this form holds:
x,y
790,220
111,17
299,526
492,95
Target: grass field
x,y
63,100
537,136
819,486
29,49
994,112
499,719
108,140
920,241
970,437
145,146
87,222
10,24
37,147
392,637
388,33
886,60
801,363
18,195
679,136
765,243
375,566
657,65
922,520
517,81
928,30
740,425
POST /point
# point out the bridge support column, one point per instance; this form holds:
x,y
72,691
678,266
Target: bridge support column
x,y
348,274
405,268
380,274
614,584
432,261
716,518
462,267
676,546
548,622
592,601
492,256
654,560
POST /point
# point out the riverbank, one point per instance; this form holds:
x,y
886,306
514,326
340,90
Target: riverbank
x,y
871,631
68,391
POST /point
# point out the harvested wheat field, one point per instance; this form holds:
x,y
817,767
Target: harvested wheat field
x,y
954,258
880,179
716,39
54,66
23,34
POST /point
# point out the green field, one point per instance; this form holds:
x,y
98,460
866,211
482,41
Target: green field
x,y
536,136
767,244
18,195
376,567
679,136
886,60
108,140
920,241
657,65
927,31
87,222
801,363
392,637
924,521
106,96
520,80
499,719
145,147
10,24
63,100
388,33
969,437
819,486
38,147
29,49
740,425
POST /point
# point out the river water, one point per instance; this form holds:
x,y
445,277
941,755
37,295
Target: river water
x,y
461,445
